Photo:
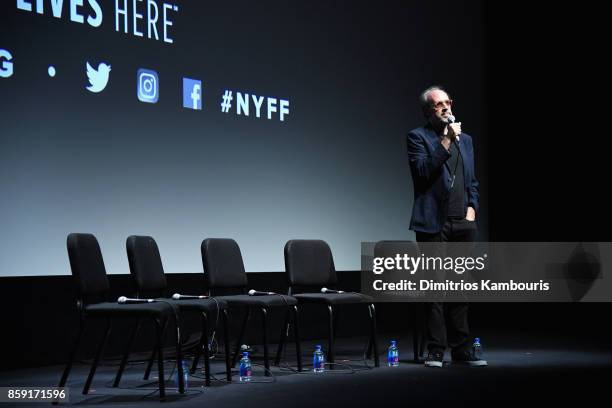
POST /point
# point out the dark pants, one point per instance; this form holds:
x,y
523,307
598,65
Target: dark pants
x,y
447,323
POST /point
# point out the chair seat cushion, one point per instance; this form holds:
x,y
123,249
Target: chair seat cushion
x,y
333,298
207,305
132,309
268,300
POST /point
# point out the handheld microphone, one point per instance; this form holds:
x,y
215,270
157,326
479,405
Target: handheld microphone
x,y
254,292
178,296
452,119
124,300
325,290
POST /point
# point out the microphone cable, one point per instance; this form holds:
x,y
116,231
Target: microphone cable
x,y
364,358
148,385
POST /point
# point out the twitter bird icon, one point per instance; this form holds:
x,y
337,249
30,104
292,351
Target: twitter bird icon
x,y
98,78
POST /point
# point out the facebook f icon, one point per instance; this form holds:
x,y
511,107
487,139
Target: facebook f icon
x,y
192,94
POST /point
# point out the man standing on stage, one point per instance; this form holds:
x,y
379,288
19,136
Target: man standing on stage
x,y
445,207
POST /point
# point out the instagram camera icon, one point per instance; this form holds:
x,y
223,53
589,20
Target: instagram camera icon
x,y
147,86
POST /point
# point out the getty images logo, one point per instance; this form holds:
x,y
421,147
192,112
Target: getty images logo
x,y
6,66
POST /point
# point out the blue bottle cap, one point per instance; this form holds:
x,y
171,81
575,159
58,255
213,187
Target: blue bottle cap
x,y
245,354
318,347
393,342
477,340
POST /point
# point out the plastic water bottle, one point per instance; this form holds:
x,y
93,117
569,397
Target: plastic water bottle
x,y
185,374
318,360
393,355
245,367
477,351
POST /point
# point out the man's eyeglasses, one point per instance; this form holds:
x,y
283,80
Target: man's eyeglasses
x,y
442,104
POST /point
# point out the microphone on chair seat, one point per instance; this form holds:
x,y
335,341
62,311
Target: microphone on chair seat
x,y
125,300
254,292
178,296
325,290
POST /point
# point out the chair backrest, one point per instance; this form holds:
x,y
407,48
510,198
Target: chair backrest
x,y
391,248
145,264
309,263
223,265
87,265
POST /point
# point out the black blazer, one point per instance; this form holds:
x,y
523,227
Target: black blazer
x,y
432,178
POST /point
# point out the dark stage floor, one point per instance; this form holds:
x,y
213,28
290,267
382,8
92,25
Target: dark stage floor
x,y
522,369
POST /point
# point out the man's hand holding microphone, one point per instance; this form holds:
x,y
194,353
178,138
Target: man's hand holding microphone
x,y
452,131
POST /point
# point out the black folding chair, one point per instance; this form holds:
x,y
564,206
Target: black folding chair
x,y
89,274
224,269
309,265
148,272
387,249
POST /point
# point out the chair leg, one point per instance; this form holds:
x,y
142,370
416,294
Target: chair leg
x,y
228,363
147,373
283,336
99,352
241,336
336,321
126,354
416,333
198,353
73,351
179,354
206,352
296,334
264,318
149,367
330,352
374,342
159,329
153,355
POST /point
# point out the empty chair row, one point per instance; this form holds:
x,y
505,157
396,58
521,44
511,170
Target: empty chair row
x,y
309,267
